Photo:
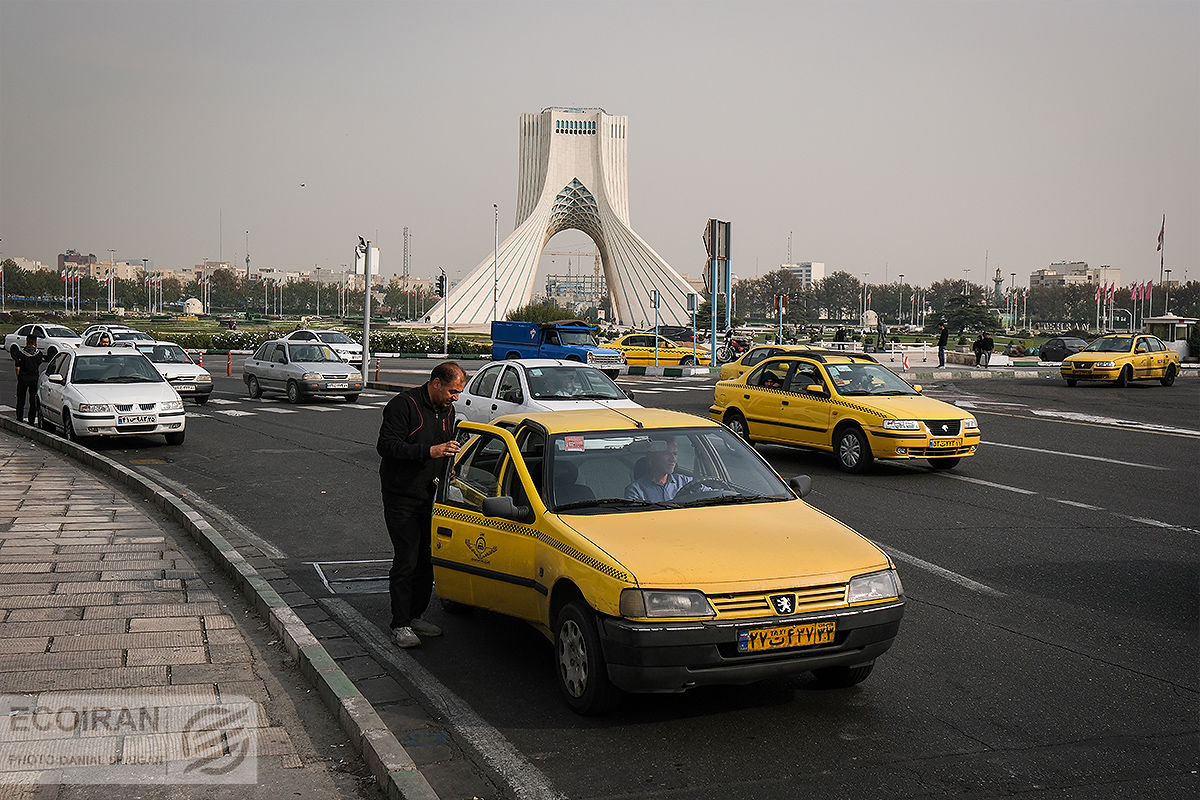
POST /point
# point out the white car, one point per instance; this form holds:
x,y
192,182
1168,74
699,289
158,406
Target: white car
x,y
346,348
185,377
50,338
537,384
94,391
117,337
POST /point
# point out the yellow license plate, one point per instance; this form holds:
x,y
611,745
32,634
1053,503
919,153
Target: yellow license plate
x,y
758,639
938,443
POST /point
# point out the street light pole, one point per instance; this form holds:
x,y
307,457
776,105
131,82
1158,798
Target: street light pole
x,y
900,302
318,292
495,264
1167,298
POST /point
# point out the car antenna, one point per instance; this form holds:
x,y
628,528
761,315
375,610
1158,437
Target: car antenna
x,y
636,422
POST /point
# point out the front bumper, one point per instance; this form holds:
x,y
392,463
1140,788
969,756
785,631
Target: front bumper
x,y
110,425
668,656
1071,372
900,445
191,389
328,387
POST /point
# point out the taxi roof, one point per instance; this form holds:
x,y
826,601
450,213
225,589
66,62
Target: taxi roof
x,y
607,419
827,356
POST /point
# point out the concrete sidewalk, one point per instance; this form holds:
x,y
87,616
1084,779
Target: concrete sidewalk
x,y
103,600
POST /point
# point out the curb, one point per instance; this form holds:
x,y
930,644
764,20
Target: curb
x,y
390,764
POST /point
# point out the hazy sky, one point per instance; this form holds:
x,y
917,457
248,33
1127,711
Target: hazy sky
x,y
909,136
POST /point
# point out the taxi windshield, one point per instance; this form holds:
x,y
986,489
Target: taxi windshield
x,y
632,471
1110,344
572,383
867,379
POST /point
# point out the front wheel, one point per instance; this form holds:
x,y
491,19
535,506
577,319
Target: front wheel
x,y
737,423
852,450
201,399
1169,378
351,398
253,388
1071,382
293,392
945,463
174,438
842,677
1124,377
69,427
582,673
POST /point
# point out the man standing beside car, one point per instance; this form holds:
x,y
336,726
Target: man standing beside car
x,y
415,439
28,359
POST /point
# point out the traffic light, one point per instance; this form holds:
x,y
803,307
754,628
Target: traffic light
x,y
441,285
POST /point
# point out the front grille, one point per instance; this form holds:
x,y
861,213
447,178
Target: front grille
x,y
606,360
757,604
943,427
335,377
136,428
123,406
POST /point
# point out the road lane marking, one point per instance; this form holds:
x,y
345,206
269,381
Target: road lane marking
x,y
954,577
279,410
1156,523
233,412
988,483
525,780
1113,422
991,443
1076,504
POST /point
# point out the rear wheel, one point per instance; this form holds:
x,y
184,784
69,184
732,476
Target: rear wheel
x,y
351,398
945,463
175,438
582,673
201,399
45,424
852,449
1071,382
253,388
737,423
1169,378
294,395
842,677
1124,378
687,361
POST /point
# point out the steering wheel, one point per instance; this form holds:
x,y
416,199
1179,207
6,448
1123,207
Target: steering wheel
x,y
701,487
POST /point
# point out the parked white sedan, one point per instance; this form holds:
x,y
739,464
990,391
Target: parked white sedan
x,y
185,377
537,384
50,338
96,391
346,348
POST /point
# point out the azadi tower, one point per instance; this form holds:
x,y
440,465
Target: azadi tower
x,y
574,175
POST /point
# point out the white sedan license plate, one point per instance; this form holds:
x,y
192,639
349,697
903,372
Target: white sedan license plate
x,y
185,387
140,419
757,639
337,386
936,443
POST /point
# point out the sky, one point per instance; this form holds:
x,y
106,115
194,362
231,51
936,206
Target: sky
x,y
935,139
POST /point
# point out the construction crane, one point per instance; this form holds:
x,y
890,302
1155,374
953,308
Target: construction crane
x,y
580,255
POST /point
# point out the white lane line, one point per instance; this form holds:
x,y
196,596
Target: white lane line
x,y
1088,506
525,780
988,483
233,412
1078,455
1075,416
274,410
220,401
954,577
1156,523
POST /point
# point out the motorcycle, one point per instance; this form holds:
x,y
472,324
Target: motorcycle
x,y
733,348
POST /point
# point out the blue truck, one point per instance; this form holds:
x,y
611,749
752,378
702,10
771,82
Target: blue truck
x,y
569,339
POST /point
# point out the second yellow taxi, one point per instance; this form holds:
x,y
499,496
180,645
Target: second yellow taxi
x,y
847,404
1121,359
644,348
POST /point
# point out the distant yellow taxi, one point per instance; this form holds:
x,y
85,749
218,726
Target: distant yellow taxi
x,y
658,552
641,349
846,404
755,356
1121,359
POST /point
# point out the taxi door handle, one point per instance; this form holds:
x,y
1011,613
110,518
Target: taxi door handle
x,y
444,532
745,397
494,406
785,402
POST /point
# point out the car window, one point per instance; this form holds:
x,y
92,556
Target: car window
x,y
531,444
59,365
477,473
771,375
805,375
23,331
164,353
483,383
1111,344
756,355
509,382
1155,344
263,352
1142,346
58,331
302,336
334,337
311,353
866,379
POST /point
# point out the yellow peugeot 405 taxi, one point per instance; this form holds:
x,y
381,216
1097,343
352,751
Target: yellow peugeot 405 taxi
x,y
1121,359
658,552
847,404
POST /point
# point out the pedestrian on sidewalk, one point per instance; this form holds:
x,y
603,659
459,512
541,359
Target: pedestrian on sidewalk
x,y
415,439
987,347
28,359
943,339
977,348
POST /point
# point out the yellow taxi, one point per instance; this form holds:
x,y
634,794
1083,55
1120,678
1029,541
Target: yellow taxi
x,y
657,552
1121,359
754,356
847,404
642,348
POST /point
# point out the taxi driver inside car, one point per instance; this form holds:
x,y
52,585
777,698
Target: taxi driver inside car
x,y
730,579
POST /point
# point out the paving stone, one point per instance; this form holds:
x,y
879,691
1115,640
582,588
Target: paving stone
x,y
208,673
129,641
166,655
164,624
94,678
150,610
74,660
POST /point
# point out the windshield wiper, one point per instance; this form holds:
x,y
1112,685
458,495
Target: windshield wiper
x,y
734,499
597,396
614,502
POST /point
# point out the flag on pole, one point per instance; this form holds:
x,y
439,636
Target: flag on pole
x,y
1097,293
1112,290
1162,232
1133,292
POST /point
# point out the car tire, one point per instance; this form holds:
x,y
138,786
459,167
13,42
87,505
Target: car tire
x,y
252,387
201,399
852,450
945,463
351,398
294,395
1124,377
512,356
69,427
44,423
1169,378
1071,382
687,361
737,423
579,661
842,677
175,438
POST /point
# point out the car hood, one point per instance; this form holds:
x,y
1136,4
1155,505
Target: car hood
x,y
172,371
126,392
570,405
732,548
1092,357
913,406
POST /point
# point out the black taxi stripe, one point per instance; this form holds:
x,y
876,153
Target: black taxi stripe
x,y
782,424
503,577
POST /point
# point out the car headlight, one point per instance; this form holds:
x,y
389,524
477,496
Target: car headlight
x,y
1105,364
662,603
874,586
355,375
170,405
311,376
901,425
970,422
204,378
94,408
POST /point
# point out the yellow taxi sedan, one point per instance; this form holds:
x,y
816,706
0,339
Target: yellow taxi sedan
x,y
642,349
1121,359
848,405
754,356
657,552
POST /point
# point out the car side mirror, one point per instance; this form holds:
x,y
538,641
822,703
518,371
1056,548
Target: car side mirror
x,y
54,377
815,388
513,396
801,485
918,388
505,508
629,394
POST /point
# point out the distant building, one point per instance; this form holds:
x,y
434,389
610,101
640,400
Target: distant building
x,y
74,260
1074,273
30,265
808,272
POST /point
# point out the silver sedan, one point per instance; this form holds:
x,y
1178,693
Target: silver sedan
x,y
300,370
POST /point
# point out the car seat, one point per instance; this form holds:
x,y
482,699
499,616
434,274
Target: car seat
x,y
567,488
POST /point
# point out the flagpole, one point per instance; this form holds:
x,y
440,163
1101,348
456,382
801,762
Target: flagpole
x,y
1162,234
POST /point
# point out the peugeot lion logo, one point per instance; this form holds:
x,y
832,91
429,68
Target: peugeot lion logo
x,y
784,603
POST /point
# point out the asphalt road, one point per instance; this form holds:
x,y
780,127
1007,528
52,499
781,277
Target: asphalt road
x,y
1049,647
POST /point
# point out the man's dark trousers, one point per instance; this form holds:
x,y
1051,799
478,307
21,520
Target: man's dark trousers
x,y
31,388
408,522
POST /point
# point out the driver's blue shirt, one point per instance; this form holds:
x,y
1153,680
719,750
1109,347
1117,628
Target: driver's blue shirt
x,y
646,489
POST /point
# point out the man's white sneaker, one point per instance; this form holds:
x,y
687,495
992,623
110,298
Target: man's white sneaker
x,y
425,628
404,637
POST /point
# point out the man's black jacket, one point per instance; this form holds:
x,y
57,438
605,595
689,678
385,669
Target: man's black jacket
x,y
411,425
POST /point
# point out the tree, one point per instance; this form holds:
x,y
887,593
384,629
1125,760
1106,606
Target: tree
x,y
545,311
839,295
964,314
